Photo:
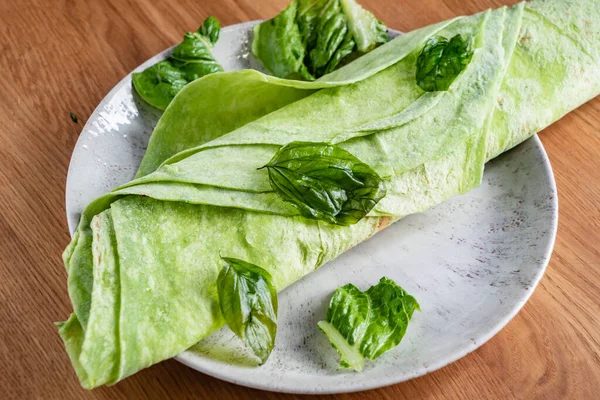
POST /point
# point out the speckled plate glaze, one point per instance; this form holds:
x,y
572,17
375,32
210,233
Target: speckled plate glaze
x,y
472,262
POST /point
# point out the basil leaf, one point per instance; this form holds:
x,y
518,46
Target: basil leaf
x,y
159,84
325,182
210,28
441,61
310,38
190,60
248,301
364,325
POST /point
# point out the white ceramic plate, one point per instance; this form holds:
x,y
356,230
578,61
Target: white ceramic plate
x,y
471,262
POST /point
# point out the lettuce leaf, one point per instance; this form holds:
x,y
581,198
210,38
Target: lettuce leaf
x,y
367,31
310,38
364,325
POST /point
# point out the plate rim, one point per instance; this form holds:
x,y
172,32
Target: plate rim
x,y
189,358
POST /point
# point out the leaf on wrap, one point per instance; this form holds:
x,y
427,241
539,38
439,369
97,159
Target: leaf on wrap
x,y
363,325
190,60
441,61
248,301
325,182
310,38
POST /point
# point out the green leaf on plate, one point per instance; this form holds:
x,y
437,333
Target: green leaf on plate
x,y
211,28
310,38
248,301
325,182
366,30
363,325
190,60
441,61
278,44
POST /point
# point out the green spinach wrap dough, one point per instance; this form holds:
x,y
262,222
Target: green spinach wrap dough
x,y
143,263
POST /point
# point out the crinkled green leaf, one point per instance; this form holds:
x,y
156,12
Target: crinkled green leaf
x,y
364,325
248,301
311,37
366,30
278,44
342,53
332,30
325,182
441,61
190,60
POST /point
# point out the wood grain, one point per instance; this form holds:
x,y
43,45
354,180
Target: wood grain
x,y
63,56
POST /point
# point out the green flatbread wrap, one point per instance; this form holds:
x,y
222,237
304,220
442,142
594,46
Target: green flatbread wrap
x,y
143,263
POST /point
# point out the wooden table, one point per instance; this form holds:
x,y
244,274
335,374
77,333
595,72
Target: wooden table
x,y
64,57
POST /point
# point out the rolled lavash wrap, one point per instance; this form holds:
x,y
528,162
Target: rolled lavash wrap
x,y
143,262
